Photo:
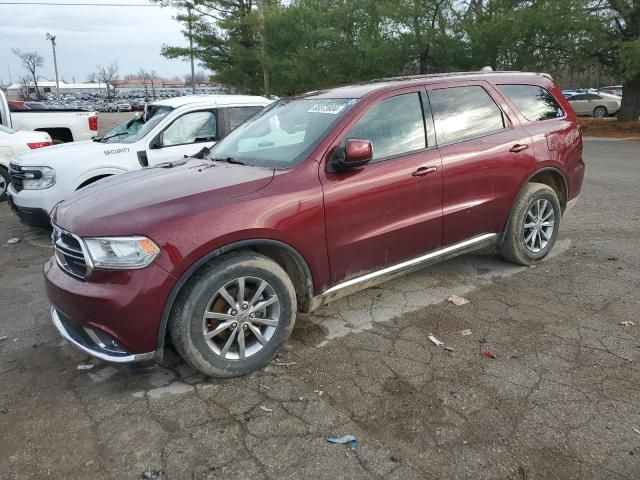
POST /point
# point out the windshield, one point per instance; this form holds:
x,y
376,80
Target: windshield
x,y
4,129
136,128
283,134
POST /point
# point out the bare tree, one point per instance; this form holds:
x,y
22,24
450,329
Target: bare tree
x,y
109,75
200,77
92,78
31,61
144,76
23,93
153,75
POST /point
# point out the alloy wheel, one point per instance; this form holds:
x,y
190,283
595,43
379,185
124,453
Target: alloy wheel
x,y
539,224
241,317
3,186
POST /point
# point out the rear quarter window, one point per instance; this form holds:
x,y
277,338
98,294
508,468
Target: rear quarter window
x,y
534,102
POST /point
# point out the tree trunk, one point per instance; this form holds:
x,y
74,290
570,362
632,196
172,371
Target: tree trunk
x,y
630,107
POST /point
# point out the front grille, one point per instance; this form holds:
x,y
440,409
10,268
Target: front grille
x,y
15,180
69,253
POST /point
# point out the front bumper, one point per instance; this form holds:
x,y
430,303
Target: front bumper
x,y
85,339
35,217
121,306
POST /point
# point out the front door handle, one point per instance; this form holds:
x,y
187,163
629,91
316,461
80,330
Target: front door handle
x,y
423,171
518,147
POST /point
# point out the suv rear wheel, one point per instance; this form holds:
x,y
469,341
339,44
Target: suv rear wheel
x,y
234,315
533,225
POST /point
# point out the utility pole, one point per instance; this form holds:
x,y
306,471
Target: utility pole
x,y
265,70
52,38
193,68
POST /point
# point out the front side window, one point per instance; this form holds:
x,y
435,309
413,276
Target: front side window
x,y
283,134
395,126
535,103
461,113
237,115
191,128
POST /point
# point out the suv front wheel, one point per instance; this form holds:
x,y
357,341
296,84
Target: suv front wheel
x,y
234,315
533,225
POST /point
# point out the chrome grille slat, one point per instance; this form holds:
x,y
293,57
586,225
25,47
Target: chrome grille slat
x,y
69,253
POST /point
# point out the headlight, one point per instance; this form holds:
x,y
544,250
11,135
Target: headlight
x,y
121,253
37,178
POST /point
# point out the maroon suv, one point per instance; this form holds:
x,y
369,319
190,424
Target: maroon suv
x,y
315,198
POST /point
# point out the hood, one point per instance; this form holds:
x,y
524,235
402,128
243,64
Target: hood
x,y
134,202
43,157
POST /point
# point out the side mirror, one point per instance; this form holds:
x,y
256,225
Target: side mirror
x,y
355,153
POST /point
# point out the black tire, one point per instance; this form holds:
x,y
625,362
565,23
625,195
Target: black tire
x,y
5,179
513,248
600,112
186,320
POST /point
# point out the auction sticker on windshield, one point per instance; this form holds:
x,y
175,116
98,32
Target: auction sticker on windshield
x,y
323,108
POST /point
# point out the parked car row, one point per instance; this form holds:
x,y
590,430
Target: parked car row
x,y
600,102
311,199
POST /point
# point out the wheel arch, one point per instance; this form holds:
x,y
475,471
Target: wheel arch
x,y
282,253
550,176
93,179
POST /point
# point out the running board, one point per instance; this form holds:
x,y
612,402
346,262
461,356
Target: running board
x,y
375,278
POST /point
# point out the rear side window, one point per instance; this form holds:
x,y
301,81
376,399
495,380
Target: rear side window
x,y
461,113
238,115
535,103
394,126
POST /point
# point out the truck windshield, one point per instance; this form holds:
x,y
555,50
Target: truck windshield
x,y
135,129
283,134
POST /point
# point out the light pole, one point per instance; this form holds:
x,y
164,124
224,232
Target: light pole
x,y
193,69
52,39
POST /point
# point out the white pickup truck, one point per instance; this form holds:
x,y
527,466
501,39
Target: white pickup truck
x,y
167,131
61,125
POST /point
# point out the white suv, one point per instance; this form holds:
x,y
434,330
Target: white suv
x,y
167,131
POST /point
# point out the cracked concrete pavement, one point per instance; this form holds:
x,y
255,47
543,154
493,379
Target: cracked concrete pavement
x,y
561,400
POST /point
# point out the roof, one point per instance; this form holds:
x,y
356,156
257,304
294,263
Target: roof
x,y
213,99
361,89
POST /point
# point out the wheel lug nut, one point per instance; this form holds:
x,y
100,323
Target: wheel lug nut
x,y
245,326
233,312
252,315
245,305
234,325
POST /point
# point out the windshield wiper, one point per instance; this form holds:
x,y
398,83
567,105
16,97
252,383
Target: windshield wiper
x,y
113,136
228,160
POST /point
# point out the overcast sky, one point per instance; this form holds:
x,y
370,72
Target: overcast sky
x,y
88,36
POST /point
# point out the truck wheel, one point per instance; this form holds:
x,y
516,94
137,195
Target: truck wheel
x,y
533,226
5,179
600,112
234,315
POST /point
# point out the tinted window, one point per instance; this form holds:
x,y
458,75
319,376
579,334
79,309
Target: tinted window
x,y
535,103
576,97
394,126
464,112
591,96
238,115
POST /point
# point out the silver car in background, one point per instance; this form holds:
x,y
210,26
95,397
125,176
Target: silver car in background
x,y
595,104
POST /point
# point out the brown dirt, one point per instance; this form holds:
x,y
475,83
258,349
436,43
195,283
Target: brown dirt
x,y
609,127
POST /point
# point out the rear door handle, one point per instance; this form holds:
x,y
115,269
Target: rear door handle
x,y
423,171
518,147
